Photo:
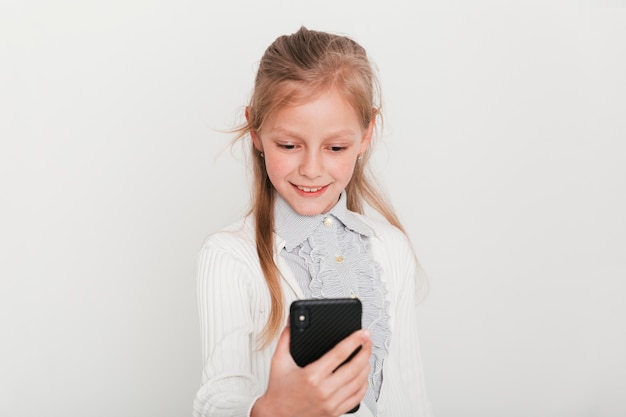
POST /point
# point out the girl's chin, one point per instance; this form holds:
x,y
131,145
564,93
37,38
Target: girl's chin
x,y
311,208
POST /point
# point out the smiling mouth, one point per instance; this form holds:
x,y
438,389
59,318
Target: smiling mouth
x,y
309,189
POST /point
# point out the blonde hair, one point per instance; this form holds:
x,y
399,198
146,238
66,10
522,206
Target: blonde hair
x,y
294,69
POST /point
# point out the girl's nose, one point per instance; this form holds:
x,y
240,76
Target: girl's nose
x,y
311,165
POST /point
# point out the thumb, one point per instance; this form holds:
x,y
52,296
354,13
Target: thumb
x,y
282,348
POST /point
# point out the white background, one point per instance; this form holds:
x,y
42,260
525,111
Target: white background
x,y
503,151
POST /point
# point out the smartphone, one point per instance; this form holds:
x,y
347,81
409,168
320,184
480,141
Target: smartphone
x,y
317,325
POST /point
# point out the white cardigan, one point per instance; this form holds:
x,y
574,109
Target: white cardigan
x,y
234,304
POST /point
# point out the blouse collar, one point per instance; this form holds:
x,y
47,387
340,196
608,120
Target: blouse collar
x,y
294,228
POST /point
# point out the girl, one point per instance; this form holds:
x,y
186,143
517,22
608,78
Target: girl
x,y
310,123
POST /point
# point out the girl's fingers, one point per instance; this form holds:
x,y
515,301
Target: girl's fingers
x,y
328,363
316,389
358,367
351,380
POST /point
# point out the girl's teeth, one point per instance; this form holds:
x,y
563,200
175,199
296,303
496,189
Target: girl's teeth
x,y
309,190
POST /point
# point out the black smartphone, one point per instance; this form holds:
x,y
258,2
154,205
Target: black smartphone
x,y
317,325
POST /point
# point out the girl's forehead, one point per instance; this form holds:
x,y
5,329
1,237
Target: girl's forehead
x,y
327,114
294,95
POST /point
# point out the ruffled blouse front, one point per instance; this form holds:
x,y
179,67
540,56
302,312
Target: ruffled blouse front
x,y
330,256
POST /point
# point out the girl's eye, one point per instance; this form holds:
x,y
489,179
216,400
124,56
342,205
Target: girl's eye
x,y
287,146
337,148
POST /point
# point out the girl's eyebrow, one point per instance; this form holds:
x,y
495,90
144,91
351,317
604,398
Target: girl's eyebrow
x,y
295,135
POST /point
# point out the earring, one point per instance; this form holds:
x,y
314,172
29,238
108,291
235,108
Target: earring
x,y
262,154
360,157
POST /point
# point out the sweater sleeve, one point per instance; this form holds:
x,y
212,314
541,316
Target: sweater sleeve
x,y
407,339
229,387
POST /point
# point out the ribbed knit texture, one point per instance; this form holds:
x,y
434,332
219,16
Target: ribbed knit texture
x,y
234,304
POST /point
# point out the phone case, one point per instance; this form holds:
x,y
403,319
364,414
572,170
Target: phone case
x,y
317,325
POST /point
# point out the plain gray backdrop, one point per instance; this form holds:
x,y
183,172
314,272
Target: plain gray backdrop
x,y
503,151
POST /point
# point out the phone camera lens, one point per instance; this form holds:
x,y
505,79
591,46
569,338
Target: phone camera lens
x,y
301,318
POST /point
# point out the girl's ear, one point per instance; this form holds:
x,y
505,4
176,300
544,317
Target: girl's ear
x,y
253,133
367,135
256,141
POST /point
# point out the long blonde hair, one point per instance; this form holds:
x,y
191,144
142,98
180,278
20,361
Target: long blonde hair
x,y
294,69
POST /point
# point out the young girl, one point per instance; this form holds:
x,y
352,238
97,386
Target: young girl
x,y
310,123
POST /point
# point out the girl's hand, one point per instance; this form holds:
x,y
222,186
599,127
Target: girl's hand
x,y
315,390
